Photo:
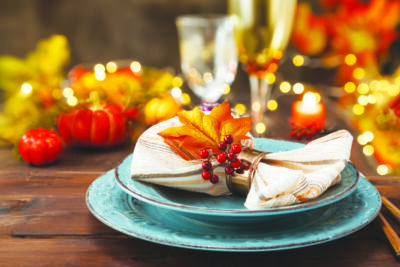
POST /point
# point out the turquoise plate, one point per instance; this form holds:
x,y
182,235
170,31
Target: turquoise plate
x,y
111,205
229,209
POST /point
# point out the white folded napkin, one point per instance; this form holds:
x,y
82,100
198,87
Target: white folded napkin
x,y
283,178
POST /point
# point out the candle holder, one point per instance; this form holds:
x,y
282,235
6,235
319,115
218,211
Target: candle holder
x,y
308,116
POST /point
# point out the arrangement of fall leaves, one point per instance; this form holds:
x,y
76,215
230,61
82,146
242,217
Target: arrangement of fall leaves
x,y
43,72
360,39
34,90
366,29
205,131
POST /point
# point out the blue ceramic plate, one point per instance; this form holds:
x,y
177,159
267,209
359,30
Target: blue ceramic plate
x,y
111,205
229,209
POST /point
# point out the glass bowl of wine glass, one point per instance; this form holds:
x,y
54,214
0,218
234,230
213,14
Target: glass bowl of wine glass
x,y
208,55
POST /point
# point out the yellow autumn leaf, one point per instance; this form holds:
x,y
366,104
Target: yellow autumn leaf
x,y
201,131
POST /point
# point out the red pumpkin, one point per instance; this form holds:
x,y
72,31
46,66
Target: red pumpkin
x,y
40,146
100,125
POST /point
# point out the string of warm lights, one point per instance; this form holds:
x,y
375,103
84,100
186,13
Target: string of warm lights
x,y
368,94
100,72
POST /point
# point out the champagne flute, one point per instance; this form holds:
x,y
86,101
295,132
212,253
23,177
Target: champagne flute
x,y
208,54
262,31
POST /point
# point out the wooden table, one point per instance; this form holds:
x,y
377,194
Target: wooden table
x,y
44,219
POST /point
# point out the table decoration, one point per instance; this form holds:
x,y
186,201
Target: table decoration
x,y
123,83
112,206
160,108
40,146
229,209
360,41
308,115
304,173
30,88
353,36
36,92
98,125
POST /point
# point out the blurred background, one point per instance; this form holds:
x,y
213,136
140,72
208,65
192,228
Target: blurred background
x,y
100,30
347,51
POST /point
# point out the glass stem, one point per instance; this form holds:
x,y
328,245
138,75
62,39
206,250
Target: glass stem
x,y
207,106
259,95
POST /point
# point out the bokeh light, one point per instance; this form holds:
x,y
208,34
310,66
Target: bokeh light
x,y
368,150
185,99
176,92
67,92
100,75
270,78
369,136
272,105
298,60
72,101
99,68
358,109
227,89
350,59
26,90
177,81
362,100
240,109
363,88
135,66
383,169
111,67
285,87
359,73
298,88
260,128
350,87
317,97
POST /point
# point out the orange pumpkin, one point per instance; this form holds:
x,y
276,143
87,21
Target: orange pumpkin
x,y
160,109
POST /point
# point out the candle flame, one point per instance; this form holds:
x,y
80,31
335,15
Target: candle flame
x,y
309,99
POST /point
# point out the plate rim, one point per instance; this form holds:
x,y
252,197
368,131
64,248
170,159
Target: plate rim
x,y
233,248
243,212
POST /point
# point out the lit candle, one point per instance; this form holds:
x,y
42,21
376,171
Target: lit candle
x,y
308,113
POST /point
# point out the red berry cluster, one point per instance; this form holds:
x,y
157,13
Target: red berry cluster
x,y
300,132
229,154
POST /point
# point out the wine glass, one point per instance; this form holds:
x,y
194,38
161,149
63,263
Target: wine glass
x,y
262,31
208,54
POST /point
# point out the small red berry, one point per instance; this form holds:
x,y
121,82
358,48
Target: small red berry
x,y
236,164
245,165
232,157
222,146
214,179
206,175
228,139
239,171
204,153
229,170
206,165
221,157
236,148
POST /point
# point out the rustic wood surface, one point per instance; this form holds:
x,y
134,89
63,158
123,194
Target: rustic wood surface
x,y
44,220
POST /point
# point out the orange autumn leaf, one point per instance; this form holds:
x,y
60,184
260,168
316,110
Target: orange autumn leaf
x,y
200,130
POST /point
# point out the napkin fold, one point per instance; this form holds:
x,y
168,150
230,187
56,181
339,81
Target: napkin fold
x,y
280,179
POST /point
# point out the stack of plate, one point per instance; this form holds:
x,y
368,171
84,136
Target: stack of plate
x,y
192,220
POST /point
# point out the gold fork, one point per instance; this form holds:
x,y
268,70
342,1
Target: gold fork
x,y
387,228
